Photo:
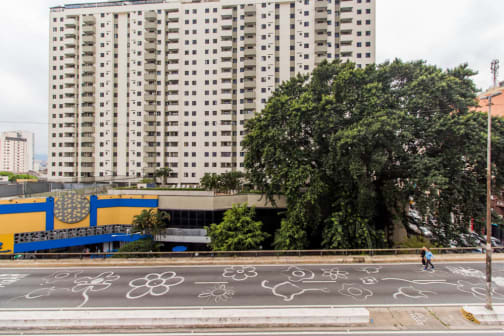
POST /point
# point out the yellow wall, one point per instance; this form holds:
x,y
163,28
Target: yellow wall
x,y
22,222
121,215
7,241
23,201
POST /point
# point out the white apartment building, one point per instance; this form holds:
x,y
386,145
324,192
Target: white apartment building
x,y
135,86
16,151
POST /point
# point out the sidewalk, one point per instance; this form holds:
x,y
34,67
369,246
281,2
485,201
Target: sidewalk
x,y
400,258
321,319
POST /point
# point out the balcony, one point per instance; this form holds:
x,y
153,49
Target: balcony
x,y
249,30
87,129
226,86
70,22
150,16
249,73
250,52
172,76
250,84
150,98
70,41
320,27
69,91
226,44
88,59
148,128
250,94
249,62
150,66
321,15
150,87
87,99
150,46
88,68
250,9
150,76
150,108
150,25
249,106
151,56
87,109
70,32
227,13
88,38
87,89
150,118
88,19
69,61
88,78
88,29
170,67
150,36
69,71
173,57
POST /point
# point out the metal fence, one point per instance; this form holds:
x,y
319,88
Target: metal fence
x,y
356,253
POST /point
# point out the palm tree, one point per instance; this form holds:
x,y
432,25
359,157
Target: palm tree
x,y
164,173
150,222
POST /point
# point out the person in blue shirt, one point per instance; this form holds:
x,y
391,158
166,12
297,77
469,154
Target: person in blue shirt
x,y
428,258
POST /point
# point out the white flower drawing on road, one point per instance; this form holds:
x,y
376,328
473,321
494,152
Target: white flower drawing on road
x,y
369,280
93,284
466,272
334,273
287,290
219,293
412,293
61,276
155,284
371,270
240,273
297,274
356,292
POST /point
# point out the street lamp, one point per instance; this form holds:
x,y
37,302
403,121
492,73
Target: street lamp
x,y
488,214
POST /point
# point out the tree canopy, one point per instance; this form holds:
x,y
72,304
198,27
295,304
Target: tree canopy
x,y
238,230
150,221
349,148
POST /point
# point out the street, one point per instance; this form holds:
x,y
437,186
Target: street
x,y
248,286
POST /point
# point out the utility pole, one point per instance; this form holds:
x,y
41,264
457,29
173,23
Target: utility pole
x,y
494,69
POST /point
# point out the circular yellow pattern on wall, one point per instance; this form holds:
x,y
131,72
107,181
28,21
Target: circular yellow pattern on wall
x,y
71,208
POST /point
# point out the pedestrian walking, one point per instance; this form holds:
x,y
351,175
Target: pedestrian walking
x,y
422,255
428,258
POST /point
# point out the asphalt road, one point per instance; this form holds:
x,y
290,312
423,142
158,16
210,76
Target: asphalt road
x,y
251,286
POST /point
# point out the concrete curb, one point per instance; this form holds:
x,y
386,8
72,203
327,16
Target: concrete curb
x,y
405,258
188,318
481,315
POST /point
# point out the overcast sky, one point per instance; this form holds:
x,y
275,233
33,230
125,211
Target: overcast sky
x,y
445,33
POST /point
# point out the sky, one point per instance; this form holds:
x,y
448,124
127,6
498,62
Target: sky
x,y
444,33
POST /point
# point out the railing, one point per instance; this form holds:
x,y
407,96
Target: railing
x,y
251,254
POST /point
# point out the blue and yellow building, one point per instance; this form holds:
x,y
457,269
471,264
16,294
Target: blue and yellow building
x,y
37,224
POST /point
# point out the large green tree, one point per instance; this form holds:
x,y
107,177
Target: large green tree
x,y
238,230
349,147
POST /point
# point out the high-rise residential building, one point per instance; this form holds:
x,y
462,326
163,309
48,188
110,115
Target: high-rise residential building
x,y
16,151
140,85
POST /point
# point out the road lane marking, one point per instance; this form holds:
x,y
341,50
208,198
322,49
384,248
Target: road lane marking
x,y
318,281
210,282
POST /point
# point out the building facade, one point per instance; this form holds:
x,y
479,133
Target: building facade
x,y
140,85
16,151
